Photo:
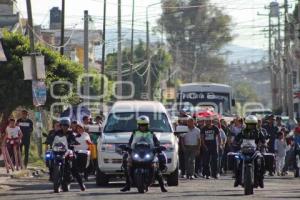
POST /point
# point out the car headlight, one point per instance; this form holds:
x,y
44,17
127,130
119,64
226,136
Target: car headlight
x,y
168,146
109,148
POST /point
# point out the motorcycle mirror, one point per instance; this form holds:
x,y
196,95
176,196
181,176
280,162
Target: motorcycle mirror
x,y
45,134
124,147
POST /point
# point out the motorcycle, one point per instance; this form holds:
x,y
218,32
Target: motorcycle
x,y
246,163
59,157
144,164
297,160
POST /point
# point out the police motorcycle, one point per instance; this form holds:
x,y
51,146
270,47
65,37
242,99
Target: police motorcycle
x,y
143,163
245,161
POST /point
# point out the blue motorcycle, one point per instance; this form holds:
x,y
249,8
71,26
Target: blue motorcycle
x,y
246,165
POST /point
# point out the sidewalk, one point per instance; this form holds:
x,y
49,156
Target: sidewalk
x,y
3,177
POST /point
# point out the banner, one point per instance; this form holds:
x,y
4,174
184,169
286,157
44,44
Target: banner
x,y
28,68
39,93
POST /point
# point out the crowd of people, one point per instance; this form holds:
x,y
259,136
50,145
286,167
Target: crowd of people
x,y
204,149
16,138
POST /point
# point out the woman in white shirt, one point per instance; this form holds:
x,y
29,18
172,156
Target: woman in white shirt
x,y
82,150
12,138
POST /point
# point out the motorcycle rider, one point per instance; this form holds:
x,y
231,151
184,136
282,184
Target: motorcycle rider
x,y
251,132
143,130
71,140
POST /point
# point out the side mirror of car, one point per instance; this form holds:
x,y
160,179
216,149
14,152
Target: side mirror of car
x,y
181,130
124,147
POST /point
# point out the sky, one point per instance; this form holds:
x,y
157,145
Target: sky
x,y
247,25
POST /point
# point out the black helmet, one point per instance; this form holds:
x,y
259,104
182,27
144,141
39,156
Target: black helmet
x,y
65,121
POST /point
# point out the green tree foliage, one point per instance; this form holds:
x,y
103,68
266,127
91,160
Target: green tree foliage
x,y
160,62
244,92
14,90
196,32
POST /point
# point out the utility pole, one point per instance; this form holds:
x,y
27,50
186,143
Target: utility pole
x,y
279,80
285,60
62,28
103,51
148,60
33,61
273,77
132,41
119,87
86,52
31,38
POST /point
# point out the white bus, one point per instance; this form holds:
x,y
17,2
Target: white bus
x,y
194,96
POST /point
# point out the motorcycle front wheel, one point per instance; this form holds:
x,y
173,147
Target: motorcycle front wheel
x,y
56,175
248,177
139,181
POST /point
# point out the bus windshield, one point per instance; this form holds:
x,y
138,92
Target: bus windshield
x,y
220,101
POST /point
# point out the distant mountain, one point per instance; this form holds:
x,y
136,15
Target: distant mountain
x,y
237,53
234,53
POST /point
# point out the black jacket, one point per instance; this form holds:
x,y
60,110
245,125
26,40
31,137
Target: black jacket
x,y
251,134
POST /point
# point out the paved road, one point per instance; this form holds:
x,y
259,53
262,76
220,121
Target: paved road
x,y
35,189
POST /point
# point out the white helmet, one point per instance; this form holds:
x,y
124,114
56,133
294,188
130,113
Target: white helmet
x,y
251,119
143,120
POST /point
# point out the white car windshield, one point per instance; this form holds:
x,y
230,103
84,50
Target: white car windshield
x,y
126,122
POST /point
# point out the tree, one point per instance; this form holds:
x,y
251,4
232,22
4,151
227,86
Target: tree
x,y
160,62
244,92
15,91
196,32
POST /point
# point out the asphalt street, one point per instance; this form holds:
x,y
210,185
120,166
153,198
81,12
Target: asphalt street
x,y
35,188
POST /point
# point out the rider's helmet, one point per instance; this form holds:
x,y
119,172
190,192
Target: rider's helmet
x,y
251,121
143,120
65,121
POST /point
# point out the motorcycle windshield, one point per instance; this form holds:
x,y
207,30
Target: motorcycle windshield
x,y
248,143
142,142
60,142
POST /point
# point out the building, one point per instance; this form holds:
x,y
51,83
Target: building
x,y
55,18
9,17
74,40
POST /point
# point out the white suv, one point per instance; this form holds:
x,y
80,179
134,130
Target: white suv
x,y
118,127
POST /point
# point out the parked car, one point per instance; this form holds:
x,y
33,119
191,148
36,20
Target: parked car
x,y
259,112
118,127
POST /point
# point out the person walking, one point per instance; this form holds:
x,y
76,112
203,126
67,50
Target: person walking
x,y
191,147
280,152
26,126
211,140
272,132
199,158
12,139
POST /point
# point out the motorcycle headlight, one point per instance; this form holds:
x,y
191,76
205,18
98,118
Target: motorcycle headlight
x,y
147,156
136,156
169,146
109,148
